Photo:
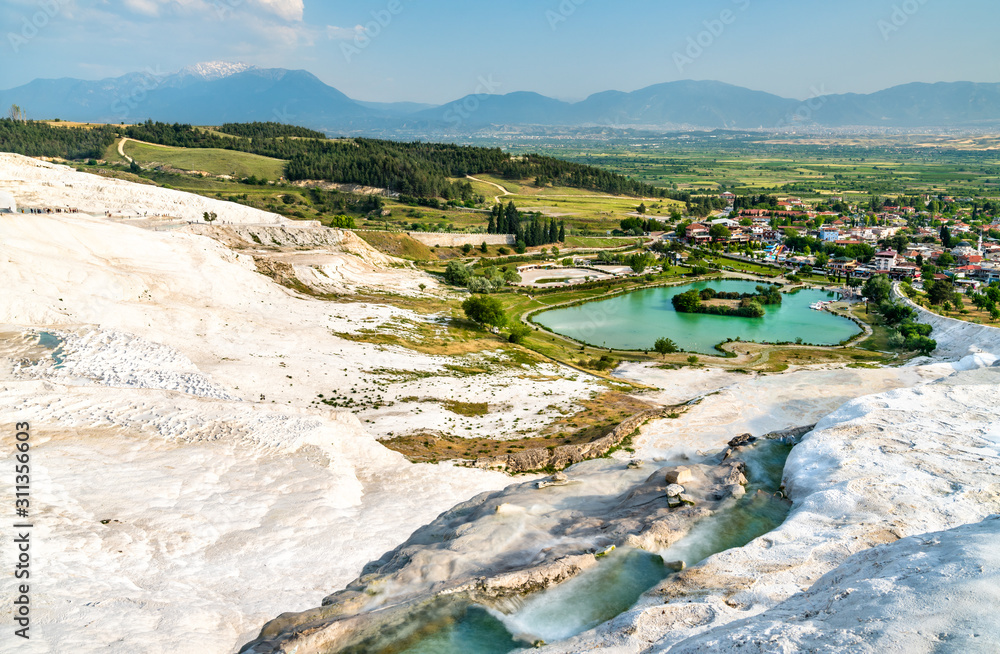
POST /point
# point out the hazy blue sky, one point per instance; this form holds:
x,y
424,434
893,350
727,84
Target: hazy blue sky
x,y
439,50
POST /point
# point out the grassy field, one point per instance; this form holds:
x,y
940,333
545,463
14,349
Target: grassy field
x,y
211,161
598,242
397,245
745,266
582,211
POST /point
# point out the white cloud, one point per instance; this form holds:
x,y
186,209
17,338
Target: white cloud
x,y
145,7
287,9
343,33
290,10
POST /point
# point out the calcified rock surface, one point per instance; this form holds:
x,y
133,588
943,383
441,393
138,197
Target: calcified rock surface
x,y
881,468
188,489
43,185
186,485
509,544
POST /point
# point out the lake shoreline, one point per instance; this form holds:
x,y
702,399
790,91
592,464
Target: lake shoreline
x,y
573,331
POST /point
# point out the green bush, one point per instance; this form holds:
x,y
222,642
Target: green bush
x,y
518,333
457,273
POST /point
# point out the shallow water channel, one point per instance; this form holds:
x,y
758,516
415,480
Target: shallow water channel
x,y
52,342
608,590
633,321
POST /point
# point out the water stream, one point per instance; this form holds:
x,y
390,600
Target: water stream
x,y
605,592
50,341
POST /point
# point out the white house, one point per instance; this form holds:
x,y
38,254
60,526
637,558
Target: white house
x,y
884,261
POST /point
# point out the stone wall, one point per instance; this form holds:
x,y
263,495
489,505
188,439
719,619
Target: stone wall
x,y
458,240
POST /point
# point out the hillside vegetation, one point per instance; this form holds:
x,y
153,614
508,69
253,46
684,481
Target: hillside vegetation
x,y
416,169
209,160
36,139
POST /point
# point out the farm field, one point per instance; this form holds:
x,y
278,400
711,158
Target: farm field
x,y
812,168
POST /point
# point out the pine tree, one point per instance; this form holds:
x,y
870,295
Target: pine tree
x,y
553,231
562,232
492,227
510,213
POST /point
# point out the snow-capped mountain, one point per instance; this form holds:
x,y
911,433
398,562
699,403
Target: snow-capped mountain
x,y
213,70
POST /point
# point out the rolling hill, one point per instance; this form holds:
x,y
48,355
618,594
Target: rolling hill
x,y
217,92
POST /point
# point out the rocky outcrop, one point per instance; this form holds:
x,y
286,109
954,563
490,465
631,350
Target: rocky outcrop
x,y
916,464
301,235
563,456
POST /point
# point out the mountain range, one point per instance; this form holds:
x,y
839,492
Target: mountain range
x,y
217,92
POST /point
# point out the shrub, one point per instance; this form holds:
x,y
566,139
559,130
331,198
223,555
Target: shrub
x,y
457,273
921,344
518,333
485,311
480,285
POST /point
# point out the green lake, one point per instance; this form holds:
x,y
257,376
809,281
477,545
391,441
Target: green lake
x,y
634,321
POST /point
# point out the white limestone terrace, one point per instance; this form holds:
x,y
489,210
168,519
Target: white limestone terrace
x,y
956,338
186,487
178,511
904,464
43,185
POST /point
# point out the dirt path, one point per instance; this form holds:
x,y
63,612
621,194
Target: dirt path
x,y
121,150
493,184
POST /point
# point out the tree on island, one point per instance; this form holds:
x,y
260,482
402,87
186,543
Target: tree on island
x,y
665,346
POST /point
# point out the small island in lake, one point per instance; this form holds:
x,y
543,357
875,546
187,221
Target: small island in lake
x,y
710,301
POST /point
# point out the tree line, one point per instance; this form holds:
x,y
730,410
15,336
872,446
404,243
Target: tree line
x,y
530,232
35,139
416,168
269,130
